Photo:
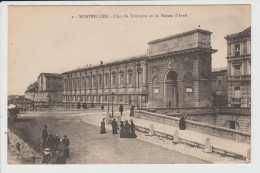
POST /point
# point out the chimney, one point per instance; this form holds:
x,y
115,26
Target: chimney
x,y
101,62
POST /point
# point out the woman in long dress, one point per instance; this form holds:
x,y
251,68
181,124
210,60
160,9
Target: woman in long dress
x,y
132,129
122,130
114,126
131,111
127,129
103,128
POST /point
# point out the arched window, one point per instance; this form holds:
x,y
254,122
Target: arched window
x,y
113,78
130,76
121,77
100,80
93,81
106,79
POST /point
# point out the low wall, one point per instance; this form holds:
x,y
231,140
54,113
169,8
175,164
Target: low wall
x,y
169,111
22,149
196,126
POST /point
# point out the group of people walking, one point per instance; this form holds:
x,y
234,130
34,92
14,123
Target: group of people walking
x,y
54,147
125,129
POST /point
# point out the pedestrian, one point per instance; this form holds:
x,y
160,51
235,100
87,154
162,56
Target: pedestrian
x,y
114,126
66,144
132,129
44,136
121,109
46,156
182,123
103,128
50,142
122,129
127,129
61,158
131,111
56,144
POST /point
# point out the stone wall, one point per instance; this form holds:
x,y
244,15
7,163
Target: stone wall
x,y
197,126
22,149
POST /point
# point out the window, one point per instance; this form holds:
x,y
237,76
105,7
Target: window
x,y
93,81
232,124
99,80
121,77
237,49
120,98
130,76
105,98
114,78
237,92
220,83
245,48
78,86
140,76
106,79
237,70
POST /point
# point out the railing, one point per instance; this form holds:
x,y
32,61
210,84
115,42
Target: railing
x,y
242,77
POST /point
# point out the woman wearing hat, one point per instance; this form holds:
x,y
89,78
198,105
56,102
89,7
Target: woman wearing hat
x,y
132,129
103,128
46,156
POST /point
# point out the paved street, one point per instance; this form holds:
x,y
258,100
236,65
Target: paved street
x,y
90,147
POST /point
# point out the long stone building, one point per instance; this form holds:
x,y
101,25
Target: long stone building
x,y
239,69
176,72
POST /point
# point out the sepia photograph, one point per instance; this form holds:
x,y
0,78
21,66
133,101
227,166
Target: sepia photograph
x,y
129,84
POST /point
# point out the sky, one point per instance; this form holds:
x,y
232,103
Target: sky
x,y
54,39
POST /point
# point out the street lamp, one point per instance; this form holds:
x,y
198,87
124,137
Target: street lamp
x,y
138,71
33,101
112,104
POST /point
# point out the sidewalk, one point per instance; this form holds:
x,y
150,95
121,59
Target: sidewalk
x,y
222,144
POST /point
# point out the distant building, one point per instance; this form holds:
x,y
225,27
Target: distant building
x,y
176,72
219,87
239,69
47,89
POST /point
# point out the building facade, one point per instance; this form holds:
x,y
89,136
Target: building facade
x,y
126,79
176,72
219,87
239,69
47,89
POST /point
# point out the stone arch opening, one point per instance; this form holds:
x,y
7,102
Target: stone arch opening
x,y
232,124
171,89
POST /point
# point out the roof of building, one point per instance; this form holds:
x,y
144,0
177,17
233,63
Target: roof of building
x,y
247,31
219,69
51,75
129,59
179,35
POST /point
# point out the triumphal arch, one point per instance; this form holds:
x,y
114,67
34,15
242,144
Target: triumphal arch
x,y
179,70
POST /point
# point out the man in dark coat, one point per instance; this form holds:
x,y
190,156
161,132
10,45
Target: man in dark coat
x,y
121,109
44,136
66,144
114,126
182,123
127,129
132,129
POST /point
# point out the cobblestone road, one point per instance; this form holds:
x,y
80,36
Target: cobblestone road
x,y
90,147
